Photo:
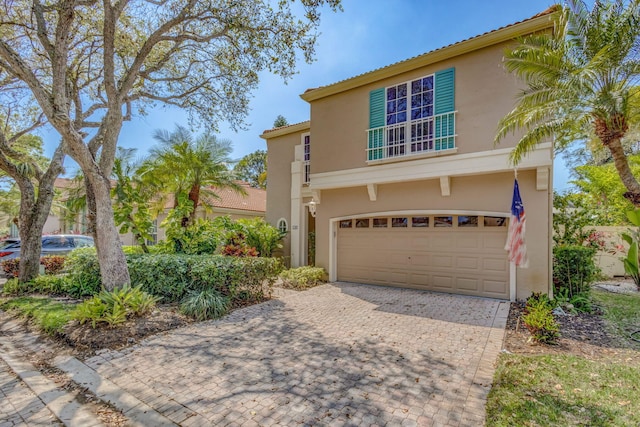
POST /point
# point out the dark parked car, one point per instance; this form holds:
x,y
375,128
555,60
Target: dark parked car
x,y
59,244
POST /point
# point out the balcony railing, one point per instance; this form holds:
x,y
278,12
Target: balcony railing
x,y
430,134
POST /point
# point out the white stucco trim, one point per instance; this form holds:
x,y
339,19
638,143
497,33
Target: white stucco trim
x,y
483,162
333,236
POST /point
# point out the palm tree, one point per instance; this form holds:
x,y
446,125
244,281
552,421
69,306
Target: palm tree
x,y
582,82
190,167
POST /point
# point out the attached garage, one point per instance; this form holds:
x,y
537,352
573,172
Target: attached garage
x,y
462,254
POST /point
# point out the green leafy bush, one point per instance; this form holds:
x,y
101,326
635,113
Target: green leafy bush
x,y
163,275
113,308
49,284
170,277
205,304
302,277
53,264
83,272
539,319
574,269
14,287
262,236
132,250
631,261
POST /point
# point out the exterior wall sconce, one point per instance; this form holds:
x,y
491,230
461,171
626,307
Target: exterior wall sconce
x,y
312,208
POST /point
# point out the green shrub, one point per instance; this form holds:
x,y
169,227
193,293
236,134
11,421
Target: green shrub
x,y
84,272
539,319
262,236
205,304
113,308
49,285
200,238
11,267
170,277
163,275
302,277
53,264
132,250
574,269
14,287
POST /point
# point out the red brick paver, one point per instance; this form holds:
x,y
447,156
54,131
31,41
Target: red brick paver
x,y
338,354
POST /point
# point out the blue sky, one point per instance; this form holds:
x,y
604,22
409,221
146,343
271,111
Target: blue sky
x,y
368,34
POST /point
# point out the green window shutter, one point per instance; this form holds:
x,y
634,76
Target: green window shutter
x,y
444,91
376,108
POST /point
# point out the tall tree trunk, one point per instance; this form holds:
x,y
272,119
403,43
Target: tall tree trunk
x,y
621,163
34,211
194,196
91,208
30,233
113,263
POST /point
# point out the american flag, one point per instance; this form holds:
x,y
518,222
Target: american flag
x,y
515,240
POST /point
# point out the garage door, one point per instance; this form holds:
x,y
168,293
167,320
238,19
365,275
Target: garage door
x,y
445,253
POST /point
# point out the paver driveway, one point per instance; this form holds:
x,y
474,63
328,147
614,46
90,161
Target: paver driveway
x,y
338,354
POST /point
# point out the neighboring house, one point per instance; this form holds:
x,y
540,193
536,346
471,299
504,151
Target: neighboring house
x,y
409,191
230,203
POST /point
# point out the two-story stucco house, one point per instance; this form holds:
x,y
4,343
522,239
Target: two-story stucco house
x,y
397,174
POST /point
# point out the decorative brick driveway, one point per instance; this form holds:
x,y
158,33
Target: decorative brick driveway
x,y
339,354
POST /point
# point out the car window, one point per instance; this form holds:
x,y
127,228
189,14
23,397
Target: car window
x,y
57,242
83,242
10,245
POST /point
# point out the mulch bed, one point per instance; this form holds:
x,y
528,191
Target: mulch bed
x,y
584,334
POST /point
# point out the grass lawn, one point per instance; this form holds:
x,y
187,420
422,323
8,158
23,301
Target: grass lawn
x,y
622,314
568,390
47,314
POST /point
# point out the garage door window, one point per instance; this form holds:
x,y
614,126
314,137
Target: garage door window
x,y
380,222
362,223
495,221
443,221
345,223
419,221
467,221
399,222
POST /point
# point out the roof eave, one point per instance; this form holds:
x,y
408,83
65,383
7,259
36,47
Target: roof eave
x,y
511,32
298,127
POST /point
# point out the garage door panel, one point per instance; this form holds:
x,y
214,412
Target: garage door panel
x,y
468,242
442,282
468,263
494,286
442,260
495,264
494,240
467,284
465,260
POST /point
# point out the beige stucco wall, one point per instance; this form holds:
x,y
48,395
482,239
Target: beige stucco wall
x,y
280,155
490,193
484,93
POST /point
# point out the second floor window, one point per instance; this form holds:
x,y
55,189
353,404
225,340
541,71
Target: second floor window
x,y
412,117
306,142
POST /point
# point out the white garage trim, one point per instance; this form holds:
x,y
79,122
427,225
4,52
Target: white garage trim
x,y
333,235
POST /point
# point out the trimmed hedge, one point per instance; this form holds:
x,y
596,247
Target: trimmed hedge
x,y
172,276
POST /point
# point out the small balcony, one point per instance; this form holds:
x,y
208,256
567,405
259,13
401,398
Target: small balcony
x,y
412,138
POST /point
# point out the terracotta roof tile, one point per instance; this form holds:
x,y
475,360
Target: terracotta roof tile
x,y
255,200
287,126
